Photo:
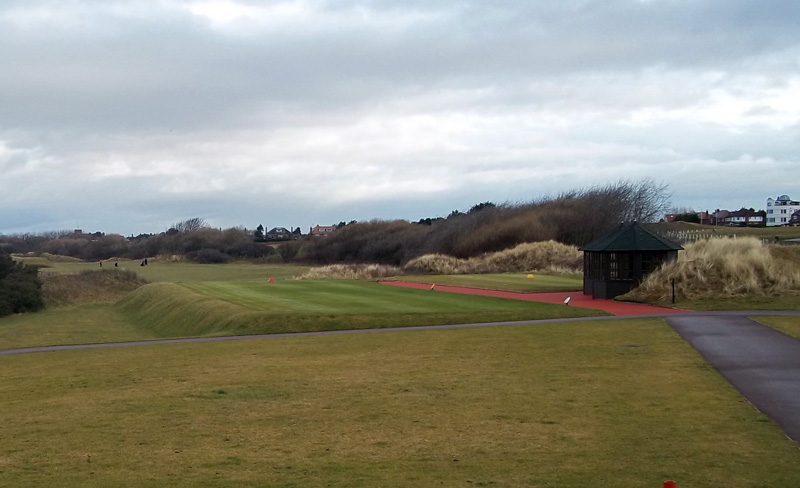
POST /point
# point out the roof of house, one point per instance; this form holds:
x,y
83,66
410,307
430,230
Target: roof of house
x,y
631,237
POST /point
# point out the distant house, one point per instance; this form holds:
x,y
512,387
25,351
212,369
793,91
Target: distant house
x,y
780,210
719,216
746,218
322,230
279,234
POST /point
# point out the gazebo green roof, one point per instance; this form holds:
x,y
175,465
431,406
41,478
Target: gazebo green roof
x,y
631,237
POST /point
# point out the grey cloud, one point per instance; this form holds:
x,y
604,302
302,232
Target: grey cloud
x,y
168,70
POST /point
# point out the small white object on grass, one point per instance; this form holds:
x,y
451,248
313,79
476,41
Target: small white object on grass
x,y
566,302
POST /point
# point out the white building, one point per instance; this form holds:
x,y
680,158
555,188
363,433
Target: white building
x,y
780,211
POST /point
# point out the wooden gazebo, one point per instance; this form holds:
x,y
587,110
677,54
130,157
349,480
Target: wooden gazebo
x,y
617,262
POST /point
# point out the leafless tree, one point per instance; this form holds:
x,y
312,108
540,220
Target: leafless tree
x,y
190,225
647,201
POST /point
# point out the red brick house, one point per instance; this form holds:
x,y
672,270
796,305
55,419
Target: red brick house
x,y
322,230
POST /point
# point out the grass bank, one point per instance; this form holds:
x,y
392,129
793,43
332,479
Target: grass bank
x,y
223,308
79,324
788,325
624,403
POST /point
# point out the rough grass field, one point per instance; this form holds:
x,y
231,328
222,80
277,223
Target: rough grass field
x,y
158,271
580,405
225,308
506,281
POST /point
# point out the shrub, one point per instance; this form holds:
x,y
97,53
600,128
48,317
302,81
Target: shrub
x,y
20,288
210,256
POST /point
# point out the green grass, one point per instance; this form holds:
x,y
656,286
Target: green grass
x,y
624,404
505,281
225,308
788,325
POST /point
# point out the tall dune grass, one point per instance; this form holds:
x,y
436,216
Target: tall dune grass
x,y
546,256
351,272
723,268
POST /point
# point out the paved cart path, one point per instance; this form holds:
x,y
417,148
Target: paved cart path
x,y
762,363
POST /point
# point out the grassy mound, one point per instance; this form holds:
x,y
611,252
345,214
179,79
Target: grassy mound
x,y
539,257
351,272
171,310
88,286
240,308
723,268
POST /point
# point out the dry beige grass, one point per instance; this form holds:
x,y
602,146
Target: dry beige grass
x,y
540,257
723,268
88,286
351,272
46,256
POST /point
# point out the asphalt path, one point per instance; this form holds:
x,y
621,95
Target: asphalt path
x,y
762,363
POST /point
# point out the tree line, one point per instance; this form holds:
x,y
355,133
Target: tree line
x,y
574,217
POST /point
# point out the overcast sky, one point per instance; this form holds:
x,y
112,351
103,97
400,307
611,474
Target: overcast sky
x,y
127,116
